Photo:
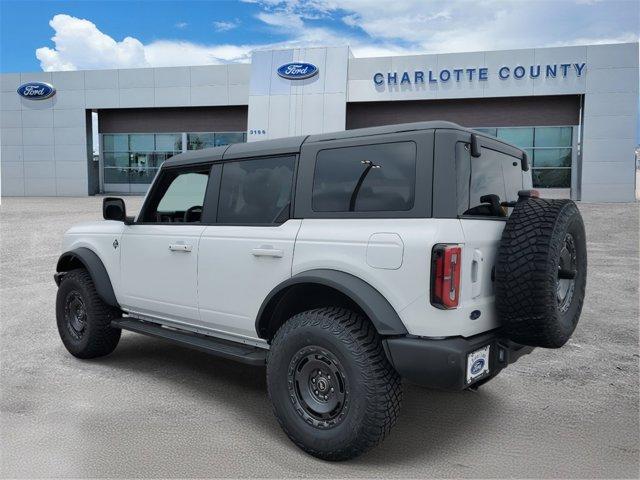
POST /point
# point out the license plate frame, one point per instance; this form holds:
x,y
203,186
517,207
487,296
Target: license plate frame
x,y
478,364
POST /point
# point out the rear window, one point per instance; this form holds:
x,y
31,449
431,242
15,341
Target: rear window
x,y
368,178
485,183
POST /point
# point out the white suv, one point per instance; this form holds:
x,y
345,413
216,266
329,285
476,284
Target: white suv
x,y
344,262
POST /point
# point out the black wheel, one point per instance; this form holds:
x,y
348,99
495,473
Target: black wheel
x,y
84,320
332,388
541,272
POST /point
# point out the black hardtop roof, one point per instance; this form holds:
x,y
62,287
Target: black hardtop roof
x,y
397,128
277,146
286,145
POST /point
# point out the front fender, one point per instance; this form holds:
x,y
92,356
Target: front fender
x,y
92,263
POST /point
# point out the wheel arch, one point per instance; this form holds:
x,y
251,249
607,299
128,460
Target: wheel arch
x,y
315,288
83,257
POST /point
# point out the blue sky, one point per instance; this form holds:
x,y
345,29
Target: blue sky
x,y
59,35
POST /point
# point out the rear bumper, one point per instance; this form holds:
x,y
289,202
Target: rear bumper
x,y
442,363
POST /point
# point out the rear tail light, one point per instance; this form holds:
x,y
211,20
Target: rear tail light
x,y
445,275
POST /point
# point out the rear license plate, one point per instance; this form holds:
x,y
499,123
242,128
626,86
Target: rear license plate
x,y
478,364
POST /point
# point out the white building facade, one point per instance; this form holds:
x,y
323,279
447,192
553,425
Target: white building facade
x,y
574,109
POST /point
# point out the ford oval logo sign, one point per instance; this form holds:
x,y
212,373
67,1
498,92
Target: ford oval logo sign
x,y
36,90
297,71
477,366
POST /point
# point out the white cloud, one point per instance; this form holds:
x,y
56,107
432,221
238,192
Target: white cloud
x,y
79,44
225,26
181,25
166,53
370,27
282,20
623,38
435,26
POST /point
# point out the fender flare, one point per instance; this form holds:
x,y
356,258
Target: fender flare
x,y
384,317
92,263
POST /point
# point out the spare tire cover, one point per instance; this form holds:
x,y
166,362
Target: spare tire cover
x,y
541,272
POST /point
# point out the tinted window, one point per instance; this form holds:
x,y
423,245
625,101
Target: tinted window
x,y
494,175
185,191
227,138
179,197
196,141
521,137
552,157
549,148
115,143
256,191
142,142
554,136
371,178
171,142
463,175
552,177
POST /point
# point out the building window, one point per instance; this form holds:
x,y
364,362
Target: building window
x,y
199,140
136,157
550,150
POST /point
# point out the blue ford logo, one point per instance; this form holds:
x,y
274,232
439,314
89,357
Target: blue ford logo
x,y
477,366
36,90
297,71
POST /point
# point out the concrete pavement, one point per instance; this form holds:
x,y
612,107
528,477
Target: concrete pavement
x,y
152,409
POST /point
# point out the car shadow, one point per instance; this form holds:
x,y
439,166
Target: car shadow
x,y
430,423
238,387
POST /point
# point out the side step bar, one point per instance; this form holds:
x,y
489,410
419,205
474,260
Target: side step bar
x,y
215,346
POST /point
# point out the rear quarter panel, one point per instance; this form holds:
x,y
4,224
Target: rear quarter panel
x,y
344,245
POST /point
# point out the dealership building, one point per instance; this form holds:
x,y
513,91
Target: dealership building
x,y
574,109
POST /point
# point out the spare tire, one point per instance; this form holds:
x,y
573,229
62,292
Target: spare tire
x,y
541,272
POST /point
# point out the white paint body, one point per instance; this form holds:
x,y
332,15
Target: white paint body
x,y
213,279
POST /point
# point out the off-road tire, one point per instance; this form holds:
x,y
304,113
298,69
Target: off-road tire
x,y
532,248
373,386
97,337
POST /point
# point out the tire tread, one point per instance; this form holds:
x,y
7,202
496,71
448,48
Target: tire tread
x,y
526,272
103,338
383,384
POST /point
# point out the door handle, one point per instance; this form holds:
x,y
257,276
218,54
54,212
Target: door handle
x,y
266,251
476,273
180,247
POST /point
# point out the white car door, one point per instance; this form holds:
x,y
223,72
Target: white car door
x,y
159,259
250,249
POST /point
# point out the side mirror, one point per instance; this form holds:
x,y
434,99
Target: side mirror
x,y
113,209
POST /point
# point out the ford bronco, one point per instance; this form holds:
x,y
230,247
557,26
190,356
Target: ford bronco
x,y
344,262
